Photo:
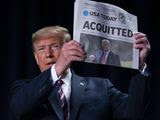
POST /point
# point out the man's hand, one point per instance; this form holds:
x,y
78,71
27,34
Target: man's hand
x,y
142,43
70,51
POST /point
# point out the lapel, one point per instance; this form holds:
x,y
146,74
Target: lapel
x,y
100,56
78,85
55,103
109,59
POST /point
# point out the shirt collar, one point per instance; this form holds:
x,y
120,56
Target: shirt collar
x,y
66,78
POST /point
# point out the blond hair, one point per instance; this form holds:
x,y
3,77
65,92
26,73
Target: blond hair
x,y
51,31
105,41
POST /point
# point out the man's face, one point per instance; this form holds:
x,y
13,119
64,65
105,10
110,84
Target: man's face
x,y
47,52
105,46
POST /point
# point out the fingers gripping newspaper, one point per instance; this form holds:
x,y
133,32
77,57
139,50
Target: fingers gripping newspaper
x,y
106,33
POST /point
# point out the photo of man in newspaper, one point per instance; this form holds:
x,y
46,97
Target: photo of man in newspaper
x,y
107,51
106,56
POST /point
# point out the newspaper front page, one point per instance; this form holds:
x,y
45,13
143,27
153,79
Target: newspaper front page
x,y
106,33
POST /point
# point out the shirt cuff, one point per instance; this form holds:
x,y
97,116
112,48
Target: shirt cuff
x,y
144,70
54,74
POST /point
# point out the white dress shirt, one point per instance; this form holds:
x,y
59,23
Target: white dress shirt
x,y
107,52
66,87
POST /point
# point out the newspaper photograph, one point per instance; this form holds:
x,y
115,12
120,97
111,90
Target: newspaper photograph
x,y
106,33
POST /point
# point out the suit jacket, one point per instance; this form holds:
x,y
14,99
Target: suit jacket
x,y
112,58
91,99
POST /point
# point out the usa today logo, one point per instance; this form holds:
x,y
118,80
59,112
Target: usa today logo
x,y
85,13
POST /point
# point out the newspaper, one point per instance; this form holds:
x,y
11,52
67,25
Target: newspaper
x,y
106,33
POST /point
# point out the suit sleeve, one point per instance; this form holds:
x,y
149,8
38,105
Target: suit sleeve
x,y
118,61
27,95
133,104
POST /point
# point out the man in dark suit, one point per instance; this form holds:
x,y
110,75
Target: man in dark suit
x,y
57,93
106,56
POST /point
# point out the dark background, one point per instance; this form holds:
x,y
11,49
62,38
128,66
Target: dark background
x,y
20,18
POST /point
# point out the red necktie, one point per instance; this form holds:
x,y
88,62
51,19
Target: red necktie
x,y
62,99
103,59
